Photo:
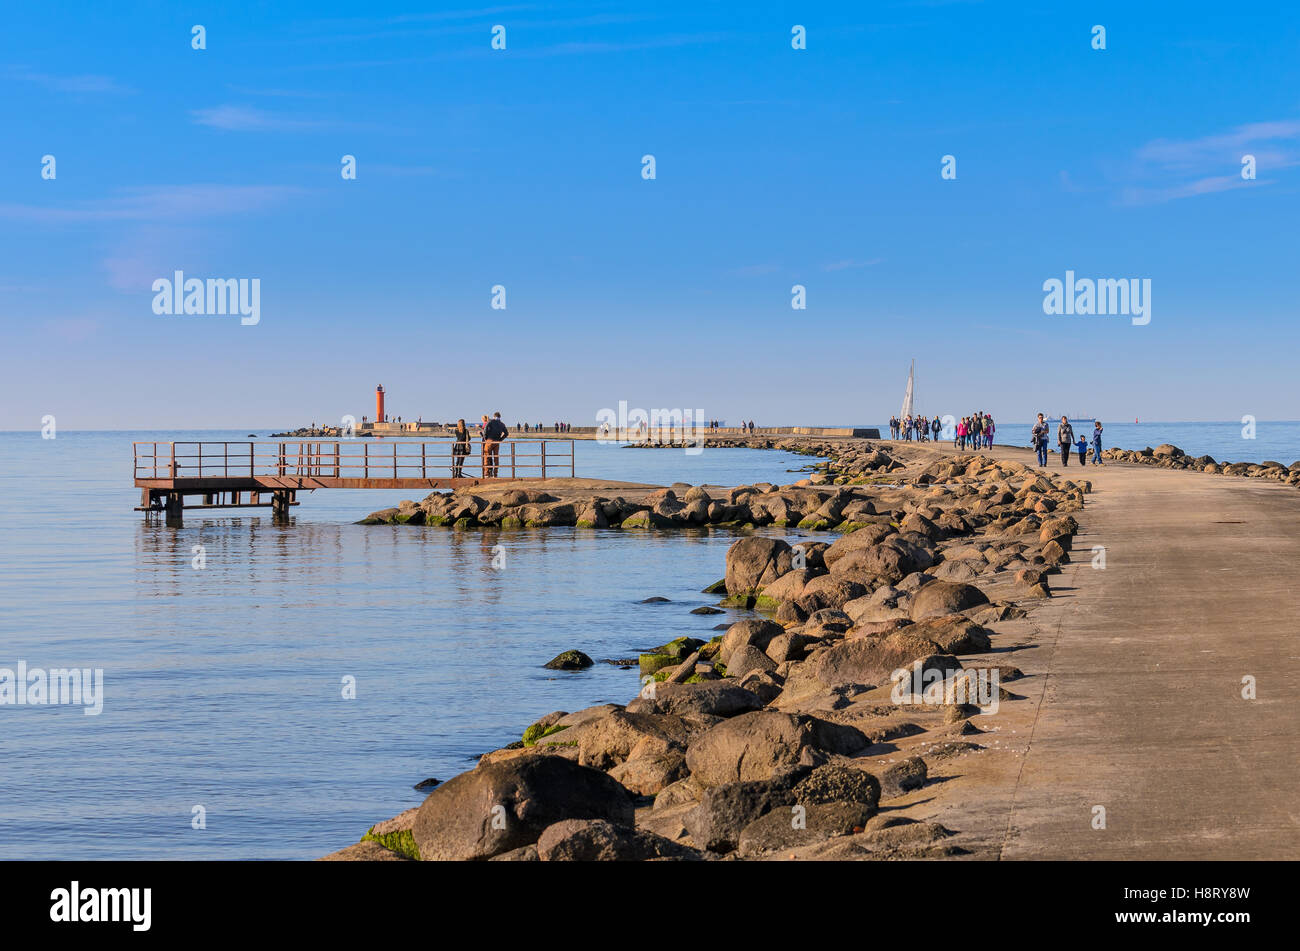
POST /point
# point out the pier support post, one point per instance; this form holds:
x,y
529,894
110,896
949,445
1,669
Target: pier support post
x,y
280,508
175,511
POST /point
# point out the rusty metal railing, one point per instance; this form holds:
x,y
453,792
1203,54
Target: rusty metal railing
x,y
352,459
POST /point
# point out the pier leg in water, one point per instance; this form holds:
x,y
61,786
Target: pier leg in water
x,y
175,510
280,508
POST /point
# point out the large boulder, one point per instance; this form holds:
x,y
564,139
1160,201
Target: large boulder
x,y
764,744
754,562
723,811
746,659
651,766
721,698
569,660
503,806
862,662
604,742
595,840
829,591
955,633
937,598
885,562
862,538
835,783
789,586
916,522
757,632
798,825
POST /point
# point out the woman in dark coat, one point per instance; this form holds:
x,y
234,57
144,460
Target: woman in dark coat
x,y
459,449
1065,439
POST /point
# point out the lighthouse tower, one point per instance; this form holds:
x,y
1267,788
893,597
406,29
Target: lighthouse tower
x,y
379,405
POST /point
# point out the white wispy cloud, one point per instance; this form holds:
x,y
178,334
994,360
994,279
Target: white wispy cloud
x,y
83,83
1202,186
1212,150
1187,168
157,203
245,119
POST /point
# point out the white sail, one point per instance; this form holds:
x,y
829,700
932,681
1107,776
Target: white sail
x,y
907,397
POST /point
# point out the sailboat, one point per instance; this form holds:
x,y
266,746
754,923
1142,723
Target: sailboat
x,y
907,396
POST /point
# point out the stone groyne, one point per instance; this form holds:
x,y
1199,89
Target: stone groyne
x,y
1168,456
772,740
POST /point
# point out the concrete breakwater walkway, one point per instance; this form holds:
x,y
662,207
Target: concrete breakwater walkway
x,y
1138,681
1128,735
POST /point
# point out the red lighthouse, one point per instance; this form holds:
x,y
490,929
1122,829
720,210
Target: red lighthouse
x,y
379,405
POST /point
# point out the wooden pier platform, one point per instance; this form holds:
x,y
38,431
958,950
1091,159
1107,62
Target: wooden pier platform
x,y
262,474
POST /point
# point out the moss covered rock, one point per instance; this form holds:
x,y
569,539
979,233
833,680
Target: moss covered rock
x,y
569,660
679,649
537,731
402,842
649,663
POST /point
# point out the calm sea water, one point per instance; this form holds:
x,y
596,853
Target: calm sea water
x,y
223,686
1278,441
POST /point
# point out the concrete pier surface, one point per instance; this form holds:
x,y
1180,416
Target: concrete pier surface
x,y
1134,684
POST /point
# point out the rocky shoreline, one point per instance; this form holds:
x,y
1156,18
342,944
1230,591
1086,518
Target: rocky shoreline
x,y
809,503
1169,456
766,741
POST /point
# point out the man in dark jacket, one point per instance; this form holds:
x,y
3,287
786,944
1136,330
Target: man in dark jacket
x,y
494,432
1065,439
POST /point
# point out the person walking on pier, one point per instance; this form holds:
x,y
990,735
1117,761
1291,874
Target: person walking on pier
x,y
494,431
1096,443
1065,439
1039,436
459,449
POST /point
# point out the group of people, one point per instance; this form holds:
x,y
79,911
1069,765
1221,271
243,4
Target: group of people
x,y
914,427
1066,442
493,432
745,425
975,430
538,427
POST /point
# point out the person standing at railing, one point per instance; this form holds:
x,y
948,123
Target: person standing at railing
x,y
459,449
494,432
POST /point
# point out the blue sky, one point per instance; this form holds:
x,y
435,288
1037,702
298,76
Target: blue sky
x,y
522,167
